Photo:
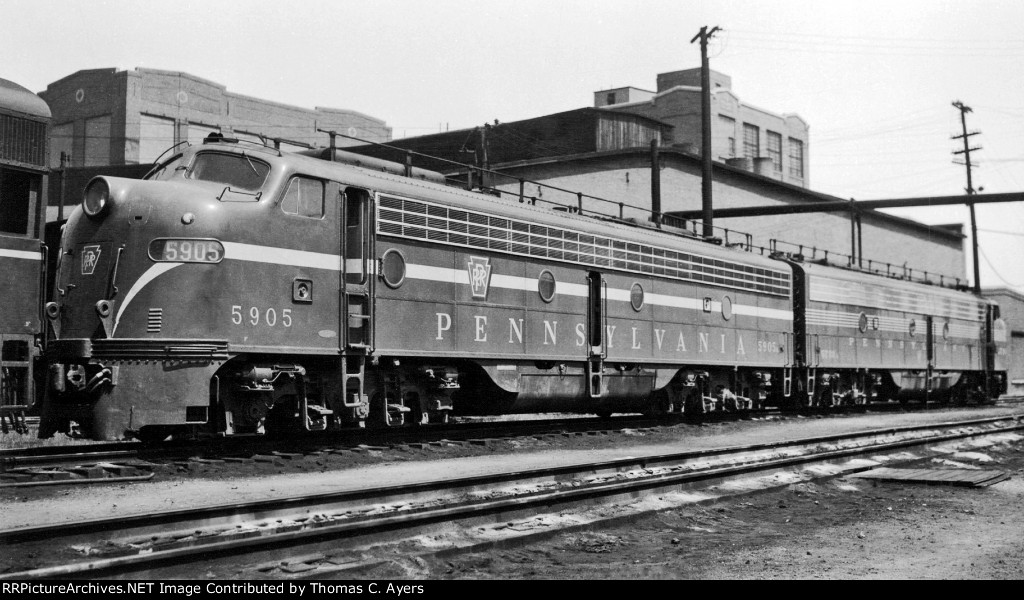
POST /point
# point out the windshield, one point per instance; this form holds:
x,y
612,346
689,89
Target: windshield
x,y
166,170
237,171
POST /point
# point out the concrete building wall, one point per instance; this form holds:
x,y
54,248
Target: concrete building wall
x,y
625,177
678,103
620,95
676,108
691,78
149,108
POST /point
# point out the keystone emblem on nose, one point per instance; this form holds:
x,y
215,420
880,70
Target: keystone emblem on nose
x,y
90,256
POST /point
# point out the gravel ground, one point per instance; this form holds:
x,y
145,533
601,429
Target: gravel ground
x,y
839,528
846,528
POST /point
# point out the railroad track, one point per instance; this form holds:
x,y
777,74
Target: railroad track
x,y
13,461
133,461
324,534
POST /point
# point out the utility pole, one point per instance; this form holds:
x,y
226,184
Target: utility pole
x,y
970,186
705,127
655,183
485,179
65,160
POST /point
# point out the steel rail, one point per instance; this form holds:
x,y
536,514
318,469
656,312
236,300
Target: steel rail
x,y
458,433
54,456
46,456
318,531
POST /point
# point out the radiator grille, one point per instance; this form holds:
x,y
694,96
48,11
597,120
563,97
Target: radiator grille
x,y
22,140
420,220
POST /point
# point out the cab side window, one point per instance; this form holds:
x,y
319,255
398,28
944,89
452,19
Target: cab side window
x,y
305,198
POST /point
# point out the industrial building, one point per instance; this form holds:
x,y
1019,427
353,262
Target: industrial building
x,y
772,144
109,117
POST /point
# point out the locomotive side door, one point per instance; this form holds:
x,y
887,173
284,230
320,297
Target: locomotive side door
x,y
929,341
357,253
597,319
356,291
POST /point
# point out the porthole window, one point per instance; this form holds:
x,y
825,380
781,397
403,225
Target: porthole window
x,y
862,324
726,307
945,331
912,328
636,297
392,268
546,285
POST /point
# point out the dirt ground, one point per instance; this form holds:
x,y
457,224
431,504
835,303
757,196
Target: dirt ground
x,y
845,528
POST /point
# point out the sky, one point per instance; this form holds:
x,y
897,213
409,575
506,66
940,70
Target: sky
x,y
874,79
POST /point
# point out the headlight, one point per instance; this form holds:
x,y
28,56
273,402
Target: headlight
x,y
97,194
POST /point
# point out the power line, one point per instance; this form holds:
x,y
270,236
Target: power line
x,y
1015,233
867,39
996,272
872,46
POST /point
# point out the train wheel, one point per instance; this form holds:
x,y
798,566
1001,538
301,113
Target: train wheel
x,y
378,411
439,417
54,421
658,404
283,419
806,400
381,414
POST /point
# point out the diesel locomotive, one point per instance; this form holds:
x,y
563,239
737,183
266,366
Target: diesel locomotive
x,y
238,289
24,123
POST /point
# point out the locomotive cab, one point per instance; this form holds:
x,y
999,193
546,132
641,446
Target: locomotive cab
x,y
217,295
139,259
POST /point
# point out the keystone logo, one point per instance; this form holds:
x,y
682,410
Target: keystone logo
x,y
90,257
479,275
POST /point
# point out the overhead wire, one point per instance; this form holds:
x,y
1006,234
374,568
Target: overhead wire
x,y
996,271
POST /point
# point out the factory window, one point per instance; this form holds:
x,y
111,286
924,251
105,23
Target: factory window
x,y
255,138
156,135
611,98
775,151
97,141
796,158
728,127
60,141
305,198
751,141
198,132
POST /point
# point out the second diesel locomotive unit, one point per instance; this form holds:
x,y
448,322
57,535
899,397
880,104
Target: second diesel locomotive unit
x,y
239,289
24,121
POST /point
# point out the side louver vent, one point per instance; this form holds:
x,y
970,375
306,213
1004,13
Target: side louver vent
x,y
156,320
